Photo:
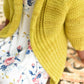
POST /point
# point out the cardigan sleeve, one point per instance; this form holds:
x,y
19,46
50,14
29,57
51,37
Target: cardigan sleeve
x,y
74,24
6,9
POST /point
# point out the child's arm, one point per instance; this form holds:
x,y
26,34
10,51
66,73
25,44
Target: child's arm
x,y
74,26
2,26
6,22
81,55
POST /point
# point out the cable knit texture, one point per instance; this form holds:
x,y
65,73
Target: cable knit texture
x,y
13,12
52,23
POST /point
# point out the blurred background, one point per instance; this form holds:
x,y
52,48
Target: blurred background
x,y
74,69
2,17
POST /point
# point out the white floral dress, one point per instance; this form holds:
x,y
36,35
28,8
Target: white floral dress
x,y
18,64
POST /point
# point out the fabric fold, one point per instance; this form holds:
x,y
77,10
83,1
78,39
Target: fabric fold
x,y
48,45
16,7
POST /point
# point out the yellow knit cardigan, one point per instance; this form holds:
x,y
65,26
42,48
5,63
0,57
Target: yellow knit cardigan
x,y
53,23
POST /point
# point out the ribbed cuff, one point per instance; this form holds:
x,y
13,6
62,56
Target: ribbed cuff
x,y
6,9
7,15
77,43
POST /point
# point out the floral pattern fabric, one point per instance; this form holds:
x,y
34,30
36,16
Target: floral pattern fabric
x,y
18,64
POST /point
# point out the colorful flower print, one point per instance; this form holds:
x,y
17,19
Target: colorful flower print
x,y
36,81
30,2
18,64
31,72
8,61
29,46
8,53
39,75
33,65
16,58
19,48
28,51
3,67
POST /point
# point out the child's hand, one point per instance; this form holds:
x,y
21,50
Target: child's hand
x,y
81,55
2,26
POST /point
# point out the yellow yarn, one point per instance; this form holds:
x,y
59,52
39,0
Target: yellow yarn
x,y
6,9
54,22
13,12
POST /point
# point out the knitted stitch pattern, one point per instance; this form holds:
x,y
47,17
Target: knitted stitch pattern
x,y
13,12
53,23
